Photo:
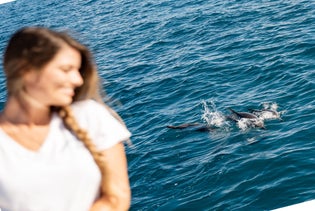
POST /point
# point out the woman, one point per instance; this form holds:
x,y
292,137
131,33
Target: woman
x,y
60,146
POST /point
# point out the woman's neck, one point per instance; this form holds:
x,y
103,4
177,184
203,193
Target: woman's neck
x,y
18,112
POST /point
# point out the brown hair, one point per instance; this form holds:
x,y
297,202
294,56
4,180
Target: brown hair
x,y
32,48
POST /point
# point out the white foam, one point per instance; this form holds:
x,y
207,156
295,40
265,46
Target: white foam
x,y
269,115
244,123
212,116
271,106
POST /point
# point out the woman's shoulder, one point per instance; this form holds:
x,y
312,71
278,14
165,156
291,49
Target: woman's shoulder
x,y
100,123
89,111
86,104
89,107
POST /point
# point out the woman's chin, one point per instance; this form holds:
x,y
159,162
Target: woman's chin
x,y
64,102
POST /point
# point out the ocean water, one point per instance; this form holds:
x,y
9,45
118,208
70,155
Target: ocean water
x,y
168,62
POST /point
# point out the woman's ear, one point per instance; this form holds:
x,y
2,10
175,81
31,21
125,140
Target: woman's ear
x,y
30,76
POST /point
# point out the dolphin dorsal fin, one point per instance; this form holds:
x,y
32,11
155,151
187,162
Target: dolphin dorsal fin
x,y
234,112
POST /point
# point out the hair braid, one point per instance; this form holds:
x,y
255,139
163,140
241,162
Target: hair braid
x,y
67,116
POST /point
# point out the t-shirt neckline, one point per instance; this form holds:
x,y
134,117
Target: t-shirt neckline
x,y
14,144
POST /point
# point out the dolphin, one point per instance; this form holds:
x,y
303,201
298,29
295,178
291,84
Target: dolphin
x,y
196,126
251,119
266,114
244,118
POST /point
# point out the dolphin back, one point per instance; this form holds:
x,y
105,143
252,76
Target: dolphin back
x,y
243,114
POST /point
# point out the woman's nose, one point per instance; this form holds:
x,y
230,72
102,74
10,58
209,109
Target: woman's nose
x,y
76,78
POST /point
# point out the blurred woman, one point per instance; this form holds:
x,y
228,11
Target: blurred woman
x,y
61,147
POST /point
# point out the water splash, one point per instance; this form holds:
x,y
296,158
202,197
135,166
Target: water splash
x,y
212,116
244,124
270,105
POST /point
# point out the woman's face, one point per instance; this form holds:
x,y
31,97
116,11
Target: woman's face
x,y
55,83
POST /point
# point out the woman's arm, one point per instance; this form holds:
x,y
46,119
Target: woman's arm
x,y
116,194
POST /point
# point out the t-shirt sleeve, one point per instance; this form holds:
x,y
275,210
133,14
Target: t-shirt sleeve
x,y
104,129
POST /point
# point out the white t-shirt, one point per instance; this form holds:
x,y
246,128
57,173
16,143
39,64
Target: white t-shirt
x,y
61,175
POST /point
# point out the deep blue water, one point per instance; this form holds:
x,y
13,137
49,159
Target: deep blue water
x,y
167,62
